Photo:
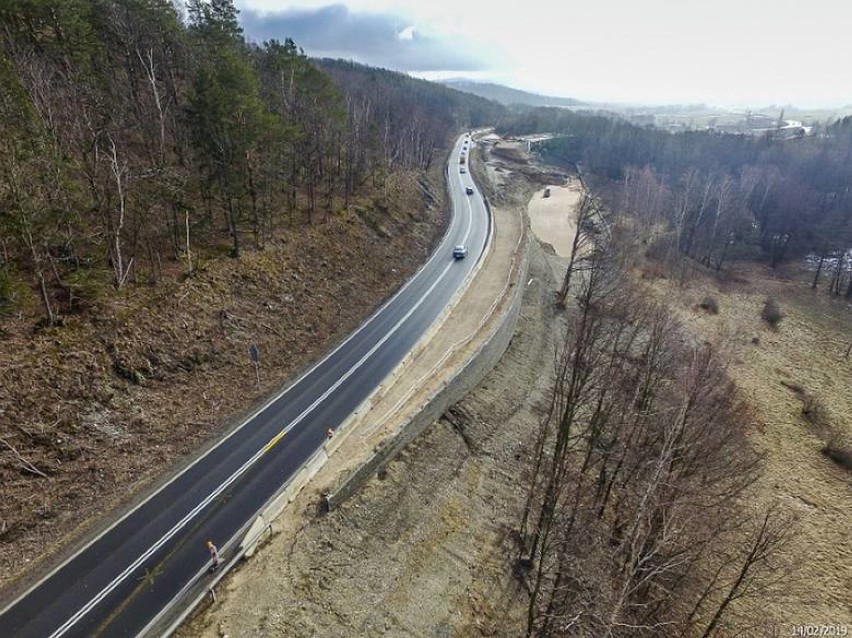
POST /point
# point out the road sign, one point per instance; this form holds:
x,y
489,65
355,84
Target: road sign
x,y
254,353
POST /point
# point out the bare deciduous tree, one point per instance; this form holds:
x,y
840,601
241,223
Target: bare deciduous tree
x,y
639,466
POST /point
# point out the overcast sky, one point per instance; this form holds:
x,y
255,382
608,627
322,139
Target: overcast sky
x,y
720,52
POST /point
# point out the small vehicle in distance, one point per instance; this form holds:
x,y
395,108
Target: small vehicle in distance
x,y
460,251
468,190
462,170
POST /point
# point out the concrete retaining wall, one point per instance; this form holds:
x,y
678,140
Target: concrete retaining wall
x,y
258,530
451,391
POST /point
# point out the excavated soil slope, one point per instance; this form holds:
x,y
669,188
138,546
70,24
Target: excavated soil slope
x,y
423,549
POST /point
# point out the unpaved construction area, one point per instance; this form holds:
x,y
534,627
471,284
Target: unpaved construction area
x,y
424,549
553,218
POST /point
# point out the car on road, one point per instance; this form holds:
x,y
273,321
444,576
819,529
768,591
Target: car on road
x,y
468,190
462,170
460,251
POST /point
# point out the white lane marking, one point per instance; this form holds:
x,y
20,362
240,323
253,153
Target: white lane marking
x,y
469,221
277,437
197,509
439,251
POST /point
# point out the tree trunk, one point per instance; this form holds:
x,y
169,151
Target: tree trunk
x,y
815,282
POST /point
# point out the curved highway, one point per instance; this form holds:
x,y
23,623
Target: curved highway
x,y
122,579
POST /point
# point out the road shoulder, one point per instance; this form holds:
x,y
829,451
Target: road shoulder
x,y
471,321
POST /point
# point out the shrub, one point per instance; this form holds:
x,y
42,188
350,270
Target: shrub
x,y
813,410
5,287
710,305
839,454
771,313
13,291
660,249
653,271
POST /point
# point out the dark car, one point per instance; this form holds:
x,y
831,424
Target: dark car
x,y
468,190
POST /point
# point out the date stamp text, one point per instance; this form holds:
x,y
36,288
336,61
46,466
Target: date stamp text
x,y
828,630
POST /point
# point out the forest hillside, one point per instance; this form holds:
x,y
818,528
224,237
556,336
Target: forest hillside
x,y
171,194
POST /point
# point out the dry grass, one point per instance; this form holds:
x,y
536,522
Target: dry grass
x,y
797,379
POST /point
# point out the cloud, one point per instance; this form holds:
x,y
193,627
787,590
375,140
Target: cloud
x,y
382,40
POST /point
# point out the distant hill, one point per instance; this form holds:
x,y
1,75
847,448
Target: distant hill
x,y
439,109
508,96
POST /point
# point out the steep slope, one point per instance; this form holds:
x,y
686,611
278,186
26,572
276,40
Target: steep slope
x,y
96,410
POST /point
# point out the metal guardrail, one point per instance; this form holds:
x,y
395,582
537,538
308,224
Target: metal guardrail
x,y
238,544
207,589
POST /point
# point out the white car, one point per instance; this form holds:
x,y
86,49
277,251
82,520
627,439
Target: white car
x,y
460,251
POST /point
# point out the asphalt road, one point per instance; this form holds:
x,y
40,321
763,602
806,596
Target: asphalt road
x,y
120,581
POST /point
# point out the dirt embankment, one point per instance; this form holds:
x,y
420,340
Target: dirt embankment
x,y
93,412
424,549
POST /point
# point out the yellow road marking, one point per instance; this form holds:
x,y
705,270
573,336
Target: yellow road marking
x,y
273,441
